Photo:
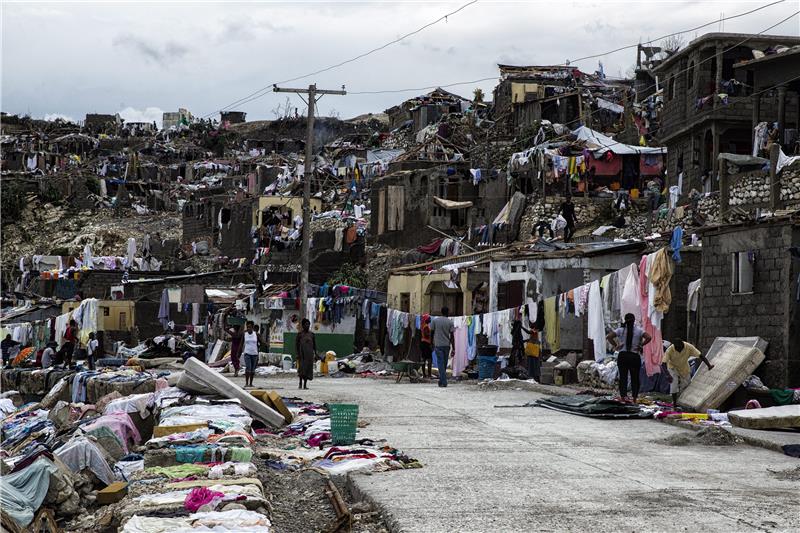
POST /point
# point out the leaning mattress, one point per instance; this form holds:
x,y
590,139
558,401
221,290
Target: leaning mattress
x,y
709,388
783,416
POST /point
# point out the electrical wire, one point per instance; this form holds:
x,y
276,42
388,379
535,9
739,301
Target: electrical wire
x,y
716,21
390,91
681,71
268,88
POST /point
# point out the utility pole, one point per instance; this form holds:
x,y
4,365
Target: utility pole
x,y
312,93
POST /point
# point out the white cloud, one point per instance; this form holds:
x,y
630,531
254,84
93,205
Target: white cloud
x,y
150,114
52,117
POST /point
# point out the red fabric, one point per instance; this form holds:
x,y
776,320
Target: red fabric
x,y
432,248
605,168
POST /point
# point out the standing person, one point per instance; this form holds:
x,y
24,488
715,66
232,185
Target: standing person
x,y
517,342
92,350
70,339
567,210
629,360
7,345
533,353
237,337
426,347
250,354
306,349
677,359
443,341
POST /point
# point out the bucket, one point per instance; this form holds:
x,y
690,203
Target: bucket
x,y
486,366
287,362
344,422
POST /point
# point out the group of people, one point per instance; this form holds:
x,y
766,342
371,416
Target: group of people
x,y
52,355
630,339
244,344
436,343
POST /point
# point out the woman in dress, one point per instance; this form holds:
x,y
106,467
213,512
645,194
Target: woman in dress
x,y
306,348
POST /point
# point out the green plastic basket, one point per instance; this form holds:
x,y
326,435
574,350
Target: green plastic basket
x,y
344,422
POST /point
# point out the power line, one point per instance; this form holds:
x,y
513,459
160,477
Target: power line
x,y
681,71
426,88
268,88
716,21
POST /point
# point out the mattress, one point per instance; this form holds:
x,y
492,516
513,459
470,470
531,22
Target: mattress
x,y
709,388
783,416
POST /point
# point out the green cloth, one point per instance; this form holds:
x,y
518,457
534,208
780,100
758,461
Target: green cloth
x,y
782,396
178,471
241,455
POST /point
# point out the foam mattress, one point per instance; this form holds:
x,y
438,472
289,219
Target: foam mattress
x,y
709,388
780,417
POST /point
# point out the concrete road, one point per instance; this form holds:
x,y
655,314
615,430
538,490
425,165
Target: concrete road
x,y
531,469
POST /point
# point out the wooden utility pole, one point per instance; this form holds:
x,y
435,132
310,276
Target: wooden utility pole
x,y
312,93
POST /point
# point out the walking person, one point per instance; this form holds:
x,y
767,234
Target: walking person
x,y
426,347
92,350
677,359
250,338
306,349
567,210
443,342
235,333
629,360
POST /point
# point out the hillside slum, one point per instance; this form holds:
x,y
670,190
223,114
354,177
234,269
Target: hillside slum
x,y
552,204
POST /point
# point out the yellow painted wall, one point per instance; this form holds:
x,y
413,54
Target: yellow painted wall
x,y
295,203
117,310
417,285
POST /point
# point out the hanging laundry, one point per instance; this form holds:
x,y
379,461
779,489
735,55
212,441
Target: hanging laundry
x,y
596,323
552,326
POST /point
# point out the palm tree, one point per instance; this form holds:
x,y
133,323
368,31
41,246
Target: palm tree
x,y
477,95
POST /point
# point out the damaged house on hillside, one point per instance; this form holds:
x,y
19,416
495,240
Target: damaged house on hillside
x,y
527,95
709,105
427,109
406,204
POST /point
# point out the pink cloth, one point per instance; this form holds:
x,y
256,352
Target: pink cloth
x,y
200,496
460,351
161,383
121,425
653,351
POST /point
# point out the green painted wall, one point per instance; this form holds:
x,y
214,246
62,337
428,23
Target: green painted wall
x,y
341,343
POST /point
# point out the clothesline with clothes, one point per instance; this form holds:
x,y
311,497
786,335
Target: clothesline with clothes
x,y
39,333
640,289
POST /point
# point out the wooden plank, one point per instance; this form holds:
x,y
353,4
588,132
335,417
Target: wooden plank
x,y
381,210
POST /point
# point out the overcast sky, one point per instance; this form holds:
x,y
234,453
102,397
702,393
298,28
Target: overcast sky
x,y
68,58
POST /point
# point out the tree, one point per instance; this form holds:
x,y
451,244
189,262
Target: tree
x,y
477,95
673,43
